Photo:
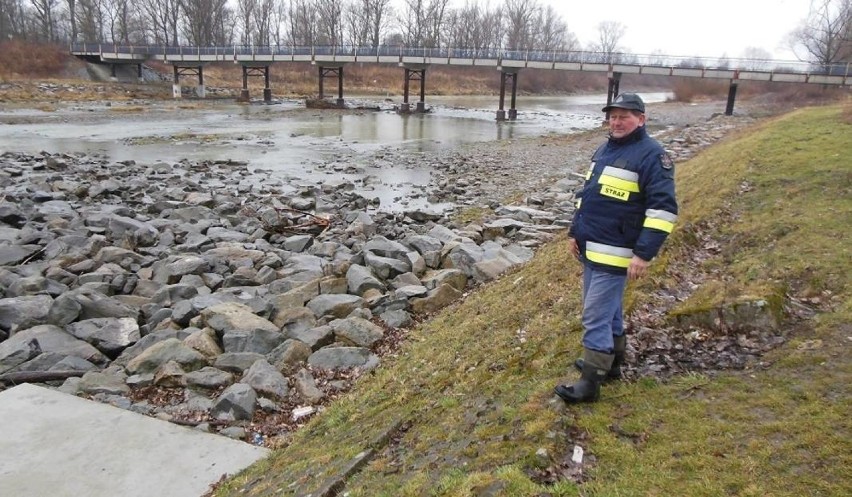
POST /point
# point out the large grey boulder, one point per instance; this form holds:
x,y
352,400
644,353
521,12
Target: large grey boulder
x,y
356,331
53,339
336,305
342,358
386,267
94,304
237,402
453,277
437,299
13,355
266,380
233,316
306,386
289,354
259,341
160,353
147,341
109,335
209,378
20,313
383,247
315,338
236,362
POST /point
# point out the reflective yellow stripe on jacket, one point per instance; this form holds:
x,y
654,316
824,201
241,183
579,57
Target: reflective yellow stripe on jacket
x,y
609,255
660,220
620,178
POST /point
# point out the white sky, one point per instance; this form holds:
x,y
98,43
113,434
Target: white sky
x,y
705,28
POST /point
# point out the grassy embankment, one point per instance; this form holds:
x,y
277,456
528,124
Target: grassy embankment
x,y
471,390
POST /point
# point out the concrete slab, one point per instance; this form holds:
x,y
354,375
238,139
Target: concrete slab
x,y
55,444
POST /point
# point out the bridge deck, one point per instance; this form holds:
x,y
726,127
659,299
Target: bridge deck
x,y
660,65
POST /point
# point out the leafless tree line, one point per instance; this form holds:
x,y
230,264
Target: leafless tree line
x,y
824,36
512,24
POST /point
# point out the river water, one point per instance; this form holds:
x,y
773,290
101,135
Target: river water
x,y
294,144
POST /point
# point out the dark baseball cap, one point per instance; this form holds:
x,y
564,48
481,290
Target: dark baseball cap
x,y
629,101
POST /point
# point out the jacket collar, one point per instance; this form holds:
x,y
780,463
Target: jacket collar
x,y
636,135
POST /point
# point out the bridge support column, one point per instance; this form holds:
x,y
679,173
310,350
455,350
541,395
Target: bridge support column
x,y
176,91
244,92
200,91
506,74
612,89
258,71
326,72
193,70
112,75
267,90
732,95
139,73
414,72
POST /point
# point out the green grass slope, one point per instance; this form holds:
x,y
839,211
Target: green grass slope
x,y
466,407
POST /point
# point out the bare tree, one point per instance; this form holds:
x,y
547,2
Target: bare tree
x,y
163,18
422,21
463,26
207,22
302,23
90,19
610,34
379,11
521,28
758,58
825,37
246,12
356,25
277,26
552,32
473,27
329,20
45,17
122,21
263,21
12,19
72,18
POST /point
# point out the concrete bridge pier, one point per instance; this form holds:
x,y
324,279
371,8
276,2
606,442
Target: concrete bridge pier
x,y
139,73
414,72
189,70
330,72
612,88
260,71
732,95
505,74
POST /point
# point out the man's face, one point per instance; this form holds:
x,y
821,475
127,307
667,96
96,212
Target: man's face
x,y
622,122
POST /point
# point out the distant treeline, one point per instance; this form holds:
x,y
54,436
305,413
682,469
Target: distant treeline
x,y
509,24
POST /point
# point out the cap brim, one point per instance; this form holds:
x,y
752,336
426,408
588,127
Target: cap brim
x,y
616,106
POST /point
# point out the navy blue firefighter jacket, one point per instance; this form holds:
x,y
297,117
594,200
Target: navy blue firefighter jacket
x,y
627,205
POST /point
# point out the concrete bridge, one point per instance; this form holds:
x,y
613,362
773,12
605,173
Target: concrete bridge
x,y
330,61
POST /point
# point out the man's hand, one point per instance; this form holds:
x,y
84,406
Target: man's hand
x,y
574,247
637,269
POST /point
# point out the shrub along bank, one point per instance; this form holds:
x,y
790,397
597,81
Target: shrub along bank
x,y
466,408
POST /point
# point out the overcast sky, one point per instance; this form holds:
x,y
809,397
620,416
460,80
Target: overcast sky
x,y
709,28
706,28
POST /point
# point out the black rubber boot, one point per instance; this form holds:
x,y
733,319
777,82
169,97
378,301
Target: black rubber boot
x,y
588,388
619,351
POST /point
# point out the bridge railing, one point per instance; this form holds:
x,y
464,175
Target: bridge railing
x,y
578,57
